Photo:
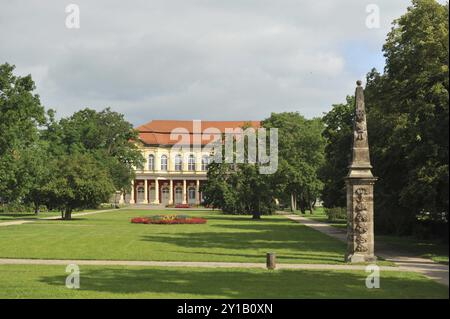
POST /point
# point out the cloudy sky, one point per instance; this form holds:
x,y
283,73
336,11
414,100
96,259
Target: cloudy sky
x,y
195,59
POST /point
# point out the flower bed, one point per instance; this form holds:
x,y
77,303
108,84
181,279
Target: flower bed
x,y
182,206
168,220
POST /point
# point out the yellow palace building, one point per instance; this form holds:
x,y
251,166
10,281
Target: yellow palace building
x,y
173,175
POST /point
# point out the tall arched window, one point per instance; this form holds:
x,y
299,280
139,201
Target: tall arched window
x,y
178,163
151,162
205,162
164,163
191,163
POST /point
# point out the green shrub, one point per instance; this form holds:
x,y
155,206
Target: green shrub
x,y
336,213
16,208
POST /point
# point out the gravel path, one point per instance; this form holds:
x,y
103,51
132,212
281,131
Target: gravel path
x,y
11,261
20,222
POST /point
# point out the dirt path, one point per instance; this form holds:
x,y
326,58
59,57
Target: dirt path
x,y
23,221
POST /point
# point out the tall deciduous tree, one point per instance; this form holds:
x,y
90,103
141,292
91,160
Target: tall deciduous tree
x,y
338,135
79,181
21,113
106,135
37,169
409,110
240,188
300,152
408,124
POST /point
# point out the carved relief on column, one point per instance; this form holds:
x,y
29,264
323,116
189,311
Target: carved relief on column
x,y
360,124
361,219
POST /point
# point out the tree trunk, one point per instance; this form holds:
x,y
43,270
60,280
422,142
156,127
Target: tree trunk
x,y
36,209
256,215
310,203
302,205
68,214
294,202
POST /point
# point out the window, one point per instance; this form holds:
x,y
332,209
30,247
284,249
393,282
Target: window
x,y
191,163
178,163
151,162
164,163
205,162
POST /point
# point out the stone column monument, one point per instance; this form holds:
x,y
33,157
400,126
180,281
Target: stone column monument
x,y
360,181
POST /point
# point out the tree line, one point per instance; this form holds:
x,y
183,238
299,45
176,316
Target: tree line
x,y
408,125
72,163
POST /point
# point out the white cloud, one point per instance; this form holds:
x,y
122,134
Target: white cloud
x,y
195,59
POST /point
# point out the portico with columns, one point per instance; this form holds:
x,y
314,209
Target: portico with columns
x,y
176,163
166,191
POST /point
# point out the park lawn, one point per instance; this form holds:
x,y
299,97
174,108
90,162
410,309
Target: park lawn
x,y
431,249
111,236
319,215
43,281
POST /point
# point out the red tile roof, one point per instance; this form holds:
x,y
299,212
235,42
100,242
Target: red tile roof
x,y
157,132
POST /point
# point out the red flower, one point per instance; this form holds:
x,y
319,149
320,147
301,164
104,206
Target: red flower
x,y
174,221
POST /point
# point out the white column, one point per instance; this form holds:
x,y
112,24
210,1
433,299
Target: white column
x,y
145,191
184,191
132,193
156,191
121,199
171,192
197,192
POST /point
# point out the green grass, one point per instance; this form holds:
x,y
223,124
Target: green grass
x,y
431,249
25,281
319,215
226,238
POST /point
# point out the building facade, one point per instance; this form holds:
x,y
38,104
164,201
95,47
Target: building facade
x,y
172,174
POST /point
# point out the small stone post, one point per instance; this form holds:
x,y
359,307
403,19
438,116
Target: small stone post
x,y
359,182
271,261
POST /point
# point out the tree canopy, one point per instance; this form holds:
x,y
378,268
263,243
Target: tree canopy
x,y
74,163
241,189
408,127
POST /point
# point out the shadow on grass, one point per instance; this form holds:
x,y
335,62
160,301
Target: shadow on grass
x,y
281,258
296,241
231,283
247,218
